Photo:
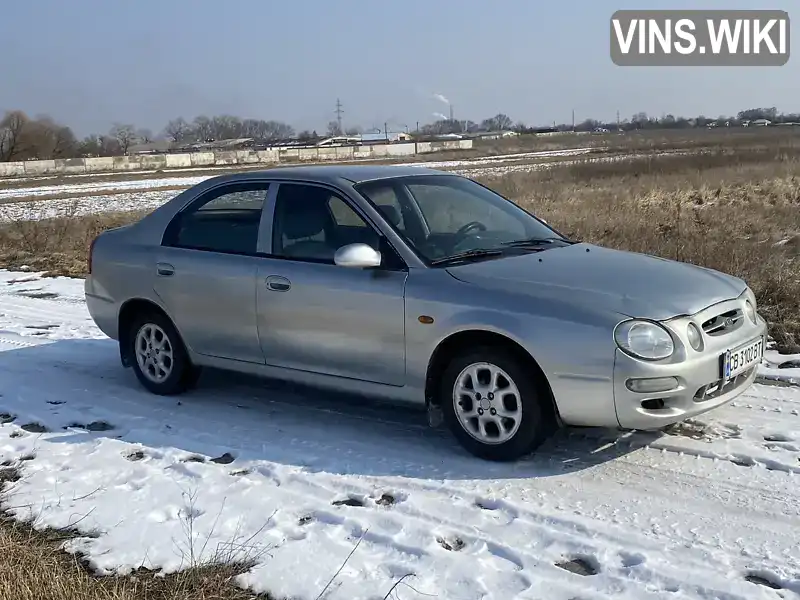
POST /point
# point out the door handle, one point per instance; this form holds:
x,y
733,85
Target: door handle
x,y
165,269
276,283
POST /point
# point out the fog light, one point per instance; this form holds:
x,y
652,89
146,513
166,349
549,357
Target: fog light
x,y
648,386
695,337
654,404
750,310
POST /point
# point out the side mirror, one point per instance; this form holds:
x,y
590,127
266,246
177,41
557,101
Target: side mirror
x,y
359,256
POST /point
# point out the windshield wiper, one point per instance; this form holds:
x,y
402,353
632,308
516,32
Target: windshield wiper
x,y
538,242
469,254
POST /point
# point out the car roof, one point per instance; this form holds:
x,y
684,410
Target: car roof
x,y
333,173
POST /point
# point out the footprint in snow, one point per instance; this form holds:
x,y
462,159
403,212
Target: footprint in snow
x,y
353,501
6,418
26,279
630,560
225,459
135,455
764,579
777,437
34,428
585,566
386,500
38,295
93,426
195,458
451,544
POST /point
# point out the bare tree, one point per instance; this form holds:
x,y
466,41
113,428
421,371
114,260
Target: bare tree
x,y
144,136
178,130
51,139
125,136
334,129
201,129
12,130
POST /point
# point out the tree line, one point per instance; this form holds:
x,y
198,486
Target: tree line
x,y
28,138
640,120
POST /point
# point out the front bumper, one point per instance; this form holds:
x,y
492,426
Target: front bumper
x,y
700,386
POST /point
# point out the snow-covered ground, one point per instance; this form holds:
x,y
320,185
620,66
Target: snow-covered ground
x,y
161,182
148,195
295,479
87,205
103,186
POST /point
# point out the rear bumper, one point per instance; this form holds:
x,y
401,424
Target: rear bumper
x,y
102,310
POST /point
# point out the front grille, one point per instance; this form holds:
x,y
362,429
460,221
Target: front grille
x,y
724,323
720,387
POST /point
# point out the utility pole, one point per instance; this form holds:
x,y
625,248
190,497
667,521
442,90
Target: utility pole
x,y
617,120
339,112
573,120
386,130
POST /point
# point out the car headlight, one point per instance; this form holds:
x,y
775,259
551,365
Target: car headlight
x,y
695,337
644,339
750,305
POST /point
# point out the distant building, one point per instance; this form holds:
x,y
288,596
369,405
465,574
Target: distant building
x,y
761,123
364,138
159,147
229,144
493,135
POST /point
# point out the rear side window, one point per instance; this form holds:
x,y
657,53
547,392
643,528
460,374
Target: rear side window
x,y
224,220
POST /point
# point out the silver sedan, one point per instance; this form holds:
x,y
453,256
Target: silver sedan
x,y
420,286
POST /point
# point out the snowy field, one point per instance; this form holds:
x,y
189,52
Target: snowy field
x,y
133,192
295,480
148,194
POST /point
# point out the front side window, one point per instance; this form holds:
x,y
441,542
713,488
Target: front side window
x,y
457,215
311,223
223,220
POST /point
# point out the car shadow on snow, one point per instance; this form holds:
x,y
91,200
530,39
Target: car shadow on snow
x,y
80,389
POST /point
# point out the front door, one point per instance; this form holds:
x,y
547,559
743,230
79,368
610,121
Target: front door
x,y
316,316
206,271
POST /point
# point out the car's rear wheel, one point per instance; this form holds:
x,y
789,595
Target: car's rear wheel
x,y
160,360
494,405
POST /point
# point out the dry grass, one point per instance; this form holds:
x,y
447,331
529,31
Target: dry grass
x,y
58,245
742,218
722,209
34,566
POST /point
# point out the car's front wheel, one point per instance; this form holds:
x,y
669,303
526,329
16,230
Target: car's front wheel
x,y
160,360
494,405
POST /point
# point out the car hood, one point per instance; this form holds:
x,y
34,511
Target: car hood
x,y
632,284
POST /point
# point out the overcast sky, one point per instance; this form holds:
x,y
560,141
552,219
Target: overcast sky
x,y
89,63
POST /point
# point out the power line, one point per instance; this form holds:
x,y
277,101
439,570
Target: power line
x,y
339,112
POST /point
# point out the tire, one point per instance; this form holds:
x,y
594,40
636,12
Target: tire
x,y
175,372
532,424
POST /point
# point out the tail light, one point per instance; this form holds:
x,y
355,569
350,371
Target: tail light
x,y
89,258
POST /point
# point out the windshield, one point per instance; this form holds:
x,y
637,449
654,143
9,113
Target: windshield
x,y
444,216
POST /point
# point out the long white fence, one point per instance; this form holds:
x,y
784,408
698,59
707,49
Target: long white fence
x,y
146,162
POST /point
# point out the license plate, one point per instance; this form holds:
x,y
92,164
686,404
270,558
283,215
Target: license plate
x,y
740,359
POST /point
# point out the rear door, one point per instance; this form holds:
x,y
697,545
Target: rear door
x,y
206,271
